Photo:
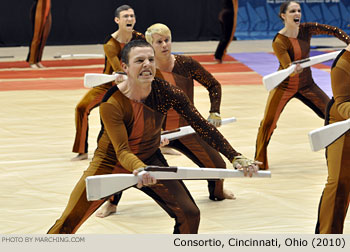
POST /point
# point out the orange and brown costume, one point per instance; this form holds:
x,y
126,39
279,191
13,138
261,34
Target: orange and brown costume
x,y
185,71
129,139
300,86
41,20
336,194
93,97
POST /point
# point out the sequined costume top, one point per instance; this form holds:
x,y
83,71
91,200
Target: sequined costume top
x,y
340,76
130,130
289,49
185,71
112,49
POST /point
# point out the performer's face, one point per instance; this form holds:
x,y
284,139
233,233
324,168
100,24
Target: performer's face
x,y
126,20
292,15
141,67
161,45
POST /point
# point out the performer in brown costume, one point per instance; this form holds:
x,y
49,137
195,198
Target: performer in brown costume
x,y
132,115
125,18
334,202
228,22
290,44
41,20
181,71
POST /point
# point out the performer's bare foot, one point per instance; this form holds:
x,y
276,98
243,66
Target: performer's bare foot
x,y
228,194
219,61
40,65
169,151
107,209
33,66
80,156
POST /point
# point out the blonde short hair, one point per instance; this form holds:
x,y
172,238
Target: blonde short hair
x,y
157,28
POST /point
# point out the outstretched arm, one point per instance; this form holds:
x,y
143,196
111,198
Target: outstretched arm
x,y
207,131
323,29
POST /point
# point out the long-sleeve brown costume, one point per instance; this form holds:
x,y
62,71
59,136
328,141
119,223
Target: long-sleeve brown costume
x,y
185,71
300,86
336,194
41,20
129,139
93,97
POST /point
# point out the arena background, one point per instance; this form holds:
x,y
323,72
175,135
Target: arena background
x,y
88,21
38,109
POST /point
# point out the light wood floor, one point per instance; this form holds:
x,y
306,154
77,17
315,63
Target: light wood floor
x,y
37,176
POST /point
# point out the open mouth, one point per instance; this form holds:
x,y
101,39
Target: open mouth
x,y
146,73
128,25
297,20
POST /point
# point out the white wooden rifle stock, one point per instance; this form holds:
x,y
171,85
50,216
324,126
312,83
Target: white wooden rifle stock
x,y
78,55
101,186
272,80
322,137
93,80
187,130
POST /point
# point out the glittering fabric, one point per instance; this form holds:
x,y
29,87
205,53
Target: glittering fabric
x,y
289,49
190,68
311,29
165,96
300,86
183,74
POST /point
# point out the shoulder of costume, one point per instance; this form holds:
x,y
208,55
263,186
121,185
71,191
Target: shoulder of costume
x,y
107,39
110,92
338,57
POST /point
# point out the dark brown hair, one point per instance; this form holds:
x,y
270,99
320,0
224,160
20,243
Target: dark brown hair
x,y
133,43
120,9
284,6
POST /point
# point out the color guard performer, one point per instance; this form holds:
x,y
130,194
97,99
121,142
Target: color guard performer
x,y
41,21
181,71
335,198
290,44
228,22
132,115
125,18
